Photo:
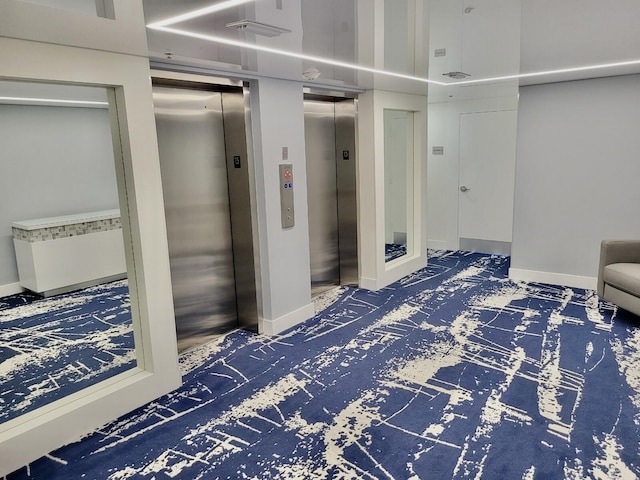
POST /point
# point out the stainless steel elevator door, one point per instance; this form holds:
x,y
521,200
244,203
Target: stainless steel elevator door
x,y
194,180
320,151
330,132
346,112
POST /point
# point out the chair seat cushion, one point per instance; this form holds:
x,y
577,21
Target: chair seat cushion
x,y
624,276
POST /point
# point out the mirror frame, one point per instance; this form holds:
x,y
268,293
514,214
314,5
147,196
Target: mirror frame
x,y
128,80
374,272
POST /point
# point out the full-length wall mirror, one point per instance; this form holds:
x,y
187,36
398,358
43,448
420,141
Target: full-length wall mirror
x,y
65,310
47,54
398,183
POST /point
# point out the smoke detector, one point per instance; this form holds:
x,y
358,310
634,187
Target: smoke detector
x,y
311,73
456,75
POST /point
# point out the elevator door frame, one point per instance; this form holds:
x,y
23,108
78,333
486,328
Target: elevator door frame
x,y
345,122
236,136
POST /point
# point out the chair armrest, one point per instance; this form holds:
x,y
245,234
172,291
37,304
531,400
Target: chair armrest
x,y
616,251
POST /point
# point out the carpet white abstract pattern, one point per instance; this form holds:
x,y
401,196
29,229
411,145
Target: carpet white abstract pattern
x,y
53,347
452,372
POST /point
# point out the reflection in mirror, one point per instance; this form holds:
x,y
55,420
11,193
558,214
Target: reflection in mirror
x,y
93,8
398,183
399,38
65,315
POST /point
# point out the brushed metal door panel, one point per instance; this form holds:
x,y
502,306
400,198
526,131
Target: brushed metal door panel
x,y
233,107
345,120
194,179
320,150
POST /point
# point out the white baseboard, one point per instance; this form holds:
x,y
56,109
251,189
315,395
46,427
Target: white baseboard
x,y
394,271
291,319
368,283
10,289
563,279
437,244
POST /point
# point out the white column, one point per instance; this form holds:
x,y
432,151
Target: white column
x,y
277,115
389,92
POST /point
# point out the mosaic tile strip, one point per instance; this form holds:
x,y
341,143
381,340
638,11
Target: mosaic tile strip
x,y
52,233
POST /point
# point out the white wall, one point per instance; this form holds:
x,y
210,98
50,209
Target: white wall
x,y
443,170
442,177
285,273
577,174
56,161
338,18
399,37
277,117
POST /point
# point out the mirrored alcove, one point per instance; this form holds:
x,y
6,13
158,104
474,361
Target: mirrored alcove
x,y
65,310
398,183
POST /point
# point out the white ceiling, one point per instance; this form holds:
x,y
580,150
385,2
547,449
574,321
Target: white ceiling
x,y
567,33
493,37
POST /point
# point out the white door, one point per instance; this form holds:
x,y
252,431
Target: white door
x,y
486,179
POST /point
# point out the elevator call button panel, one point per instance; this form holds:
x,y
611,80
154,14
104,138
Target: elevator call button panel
x,y
286,194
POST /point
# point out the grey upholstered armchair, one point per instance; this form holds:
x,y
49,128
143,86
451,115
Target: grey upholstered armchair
x,y
619,273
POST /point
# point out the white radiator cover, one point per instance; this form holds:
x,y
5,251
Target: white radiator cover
x,y
75,257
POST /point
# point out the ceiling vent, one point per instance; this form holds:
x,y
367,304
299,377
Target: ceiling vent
x,y
456,75
311,73
249,26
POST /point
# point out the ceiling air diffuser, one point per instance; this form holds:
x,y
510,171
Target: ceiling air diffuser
x,y
456,75
258,28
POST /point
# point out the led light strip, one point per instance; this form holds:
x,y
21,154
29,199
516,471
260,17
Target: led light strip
x,y
163,26
52,100
311,58
199,13
549,72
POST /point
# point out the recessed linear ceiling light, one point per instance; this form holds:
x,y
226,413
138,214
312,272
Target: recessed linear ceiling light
x,y
601,66
217,7
162,26
52,100
258,28
260,48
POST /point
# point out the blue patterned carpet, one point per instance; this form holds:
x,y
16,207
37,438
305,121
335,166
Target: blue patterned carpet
x,y
393,251
453,372
53,347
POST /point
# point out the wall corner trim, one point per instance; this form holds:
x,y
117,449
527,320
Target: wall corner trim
x,y
291,319
563,279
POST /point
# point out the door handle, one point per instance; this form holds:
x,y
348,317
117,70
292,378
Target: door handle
x,y
464,188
